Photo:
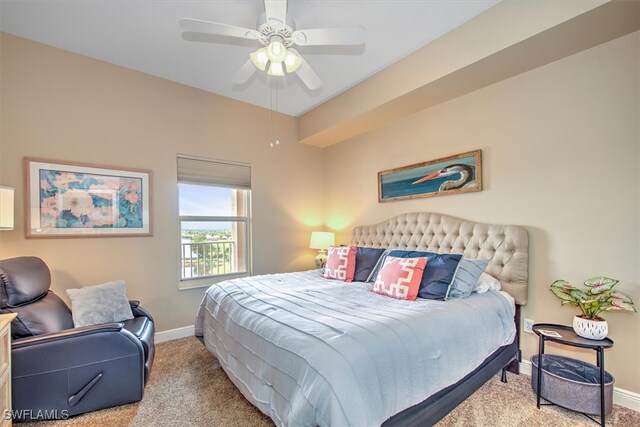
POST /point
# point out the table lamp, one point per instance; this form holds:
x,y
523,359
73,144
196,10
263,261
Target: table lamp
x,y
321,240
6,208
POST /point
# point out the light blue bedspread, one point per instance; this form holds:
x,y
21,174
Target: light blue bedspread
x,y
309,351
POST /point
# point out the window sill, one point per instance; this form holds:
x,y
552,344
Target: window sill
x,y
205,282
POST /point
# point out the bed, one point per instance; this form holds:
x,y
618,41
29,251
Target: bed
x,y
309,351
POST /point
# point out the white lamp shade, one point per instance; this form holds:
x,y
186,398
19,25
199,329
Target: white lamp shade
x,y
260,58
276,51
322,239
292,61
275,69
6,208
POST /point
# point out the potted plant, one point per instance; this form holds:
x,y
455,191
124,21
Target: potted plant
x,y
598,297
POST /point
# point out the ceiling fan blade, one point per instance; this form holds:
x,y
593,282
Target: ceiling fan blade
x,y
244,73
329,36
276,11
198,26
306,74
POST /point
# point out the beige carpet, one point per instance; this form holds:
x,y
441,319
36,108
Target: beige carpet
x,y
188,388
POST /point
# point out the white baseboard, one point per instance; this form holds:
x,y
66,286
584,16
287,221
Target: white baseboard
x,y
621,397
174,334
525,367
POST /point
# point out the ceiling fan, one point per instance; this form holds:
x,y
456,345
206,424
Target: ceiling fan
x,y
278,35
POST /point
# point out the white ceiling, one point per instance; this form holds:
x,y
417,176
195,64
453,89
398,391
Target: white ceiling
x,y
144,35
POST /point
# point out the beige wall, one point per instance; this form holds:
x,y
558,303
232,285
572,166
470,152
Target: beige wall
x,y
65,106
560,157
560,147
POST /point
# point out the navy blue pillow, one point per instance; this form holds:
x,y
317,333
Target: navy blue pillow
x,y
378,266
366,259
437,276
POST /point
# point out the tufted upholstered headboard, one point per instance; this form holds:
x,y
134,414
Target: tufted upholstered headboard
x,y
505,245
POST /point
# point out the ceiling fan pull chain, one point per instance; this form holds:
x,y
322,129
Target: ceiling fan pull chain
x,y
274,121
271,116
276,124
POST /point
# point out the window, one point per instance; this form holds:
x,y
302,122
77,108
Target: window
x,y
214,205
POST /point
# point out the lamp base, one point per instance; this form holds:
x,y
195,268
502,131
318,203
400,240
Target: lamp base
x,y
321,259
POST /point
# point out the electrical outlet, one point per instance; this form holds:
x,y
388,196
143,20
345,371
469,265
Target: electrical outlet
x,y
528,325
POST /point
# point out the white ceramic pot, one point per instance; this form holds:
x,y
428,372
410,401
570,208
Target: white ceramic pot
x,y
591,329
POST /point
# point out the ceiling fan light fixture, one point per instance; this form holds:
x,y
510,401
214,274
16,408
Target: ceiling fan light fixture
x,y
275,69
278,35
276,51
292,61
260,58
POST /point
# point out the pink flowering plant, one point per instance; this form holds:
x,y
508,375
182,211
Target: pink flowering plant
x,y
598,296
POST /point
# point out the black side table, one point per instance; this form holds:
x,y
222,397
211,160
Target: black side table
x,y
569,337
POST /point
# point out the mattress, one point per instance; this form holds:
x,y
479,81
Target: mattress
x,y
310,351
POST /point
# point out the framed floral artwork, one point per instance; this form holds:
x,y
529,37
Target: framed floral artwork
x,y
65,199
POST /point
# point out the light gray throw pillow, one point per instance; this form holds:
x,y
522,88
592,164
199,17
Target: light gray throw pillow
x,y
93,305
466,277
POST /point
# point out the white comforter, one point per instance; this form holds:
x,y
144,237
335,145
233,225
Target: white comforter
x,y
310,351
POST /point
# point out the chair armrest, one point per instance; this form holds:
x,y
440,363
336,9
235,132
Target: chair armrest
x,y
67,333
139,311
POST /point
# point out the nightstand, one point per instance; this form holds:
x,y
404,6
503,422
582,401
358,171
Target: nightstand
x,y
567,336
5,368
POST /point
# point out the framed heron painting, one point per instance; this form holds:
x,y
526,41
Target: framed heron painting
x,y
66,199
457,174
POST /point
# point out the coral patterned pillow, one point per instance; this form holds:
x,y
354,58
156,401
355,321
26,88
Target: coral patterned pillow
x,y
400,277
341,263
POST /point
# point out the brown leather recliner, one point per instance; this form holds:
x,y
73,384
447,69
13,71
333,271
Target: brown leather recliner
x,y
59,370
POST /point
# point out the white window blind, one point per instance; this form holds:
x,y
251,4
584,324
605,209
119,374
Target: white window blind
x,y
224,174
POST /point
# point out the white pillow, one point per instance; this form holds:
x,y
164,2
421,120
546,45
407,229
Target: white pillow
x,y
105,303
487,282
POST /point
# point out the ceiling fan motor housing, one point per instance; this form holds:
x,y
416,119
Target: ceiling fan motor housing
x,y
269,34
